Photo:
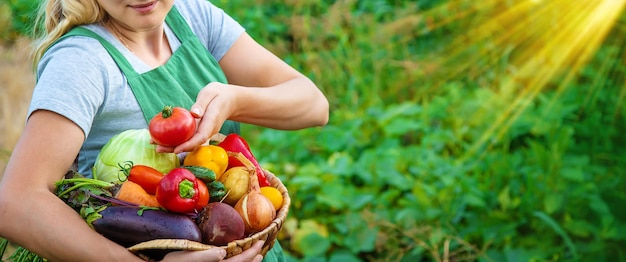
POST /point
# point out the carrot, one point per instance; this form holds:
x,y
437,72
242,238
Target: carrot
x,y
134,193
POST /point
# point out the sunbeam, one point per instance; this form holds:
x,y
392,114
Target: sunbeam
x,y
543,41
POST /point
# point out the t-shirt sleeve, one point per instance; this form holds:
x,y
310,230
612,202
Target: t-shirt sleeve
x,y
69,82
217,30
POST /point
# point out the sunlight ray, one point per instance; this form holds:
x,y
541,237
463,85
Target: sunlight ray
x,y
595,32
546,40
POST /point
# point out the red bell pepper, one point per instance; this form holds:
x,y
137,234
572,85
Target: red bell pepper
x,y
235,143
178,191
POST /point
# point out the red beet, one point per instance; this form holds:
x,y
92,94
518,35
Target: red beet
x,y
219,224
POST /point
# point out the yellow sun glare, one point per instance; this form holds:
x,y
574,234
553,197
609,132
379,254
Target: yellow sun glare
x,y
542,40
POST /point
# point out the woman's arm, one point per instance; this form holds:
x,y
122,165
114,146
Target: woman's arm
x,y
35,218
263,90
287,99
32,216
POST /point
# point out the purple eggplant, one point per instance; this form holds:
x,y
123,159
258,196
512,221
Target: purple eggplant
x,y
125,226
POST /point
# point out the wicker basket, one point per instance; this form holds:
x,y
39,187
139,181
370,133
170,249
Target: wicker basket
x,y
149,249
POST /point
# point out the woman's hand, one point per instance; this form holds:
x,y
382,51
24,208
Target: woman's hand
x,y
262,90
216,254
214,105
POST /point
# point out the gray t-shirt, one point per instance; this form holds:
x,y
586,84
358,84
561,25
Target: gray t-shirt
x,y
77,78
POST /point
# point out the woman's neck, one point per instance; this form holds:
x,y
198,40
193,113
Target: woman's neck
x,y
152,46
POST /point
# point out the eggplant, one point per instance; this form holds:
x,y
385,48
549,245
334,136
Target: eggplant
x,y
125,226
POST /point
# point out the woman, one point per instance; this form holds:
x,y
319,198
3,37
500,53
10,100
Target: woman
x,y
105,66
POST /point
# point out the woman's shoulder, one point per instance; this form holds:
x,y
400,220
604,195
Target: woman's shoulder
x,y
202,13
78,53
69,54
193,6
76,65
75,48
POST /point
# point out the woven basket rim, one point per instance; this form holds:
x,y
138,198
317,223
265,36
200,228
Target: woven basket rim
x,y
235,247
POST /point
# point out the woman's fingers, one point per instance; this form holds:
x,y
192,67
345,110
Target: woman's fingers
x,y
164,149
211,110
210,255
207,127
253,254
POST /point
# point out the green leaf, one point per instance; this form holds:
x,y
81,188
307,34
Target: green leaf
x,y
344,256
597,204
305,181
406,216
396,179
314,245
361,239
397,127
341,163
574,174
24,255
558,230
474,200
3,246
360,200
504,198
405,109
333,195
579,228
424,193
514,255
552,203
312,259
330,139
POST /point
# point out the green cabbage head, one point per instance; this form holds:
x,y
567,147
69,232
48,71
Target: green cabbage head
x,y
131,145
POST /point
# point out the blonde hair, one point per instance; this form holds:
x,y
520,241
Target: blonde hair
x,y
57,17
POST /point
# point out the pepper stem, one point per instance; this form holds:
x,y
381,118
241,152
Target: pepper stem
x,y
186,189
125,170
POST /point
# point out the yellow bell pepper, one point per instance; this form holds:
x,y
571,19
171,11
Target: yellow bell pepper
x,y
212,157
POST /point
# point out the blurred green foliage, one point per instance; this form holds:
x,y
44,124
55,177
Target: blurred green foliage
x,y
16,18
396,174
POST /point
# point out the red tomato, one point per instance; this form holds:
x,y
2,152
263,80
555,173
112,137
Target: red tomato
x,y
172,126
203,197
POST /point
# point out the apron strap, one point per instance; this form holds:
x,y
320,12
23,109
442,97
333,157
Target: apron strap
x,y
179,25
176,21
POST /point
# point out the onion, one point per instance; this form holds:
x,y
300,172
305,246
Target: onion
x,y
257,210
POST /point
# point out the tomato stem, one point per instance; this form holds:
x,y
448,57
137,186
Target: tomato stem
x,y
167,111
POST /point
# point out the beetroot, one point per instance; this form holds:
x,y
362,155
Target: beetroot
x,y
219,224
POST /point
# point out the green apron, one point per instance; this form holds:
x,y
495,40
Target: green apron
x,y
177,83
190,68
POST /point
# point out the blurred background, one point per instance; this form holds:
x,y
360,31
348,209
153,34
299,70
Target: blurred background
x,y
460,130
